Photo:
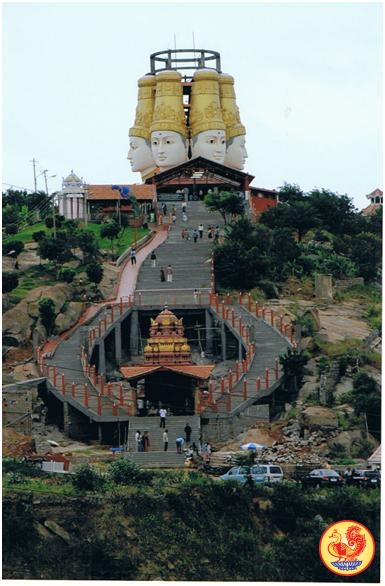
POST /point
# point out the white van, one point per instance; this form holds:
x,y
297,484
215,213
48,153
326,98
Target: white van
x,y
266,473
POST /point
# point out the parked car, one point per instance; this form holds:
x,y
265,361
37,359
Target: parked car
x,y
322,477
266,473
238,473
368,478
258,473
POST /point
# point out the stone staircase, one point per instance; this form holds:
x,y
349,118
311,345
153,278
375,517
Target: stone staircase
x,y
156,456
190,261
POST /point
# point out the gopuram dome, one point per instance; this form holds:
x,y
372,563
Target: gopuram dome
x,y
166,343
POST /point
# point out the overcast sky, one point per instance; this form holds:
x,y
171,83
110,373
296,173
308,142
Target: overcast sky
x,y
307,79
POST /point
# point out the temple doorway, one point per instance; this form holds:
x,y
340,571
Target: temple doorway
x,y
171,390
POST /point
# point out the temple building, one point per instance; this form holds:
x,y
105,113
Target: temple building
x,y
168,375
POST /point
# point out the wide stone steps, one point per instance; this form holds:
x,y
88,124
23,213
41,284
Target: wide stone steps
x,y
174,424
190,261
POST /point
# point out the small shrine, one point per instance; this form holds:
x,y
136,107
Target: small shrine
x,y
166,343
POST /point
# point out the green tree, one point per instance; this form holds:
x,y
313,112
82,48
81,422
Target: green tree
x,y
94,272
55,249
335,212
290,192
87,478
366,252
366,397
13,247
298,216
88,245
111,231
293,363
47,313
9,282
11,229
227,203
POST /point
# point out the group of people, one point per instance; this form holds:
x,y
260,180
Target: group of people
x,y
166,274
142,441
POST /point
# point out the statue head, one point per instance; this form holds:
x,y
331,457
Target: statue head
x,y
140,154
210,144
169,148
208,132
236,153
168,128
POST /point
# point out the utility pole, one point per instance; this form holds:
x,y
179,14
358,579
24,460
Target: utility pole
x,y
34,173
53,202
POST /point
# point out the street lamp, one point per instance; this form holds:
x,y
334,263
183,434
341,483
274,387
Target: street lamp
x,y
53,201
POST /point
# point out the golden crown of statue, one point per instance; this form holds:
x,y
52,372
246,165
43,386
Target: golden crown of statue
x,y
205,108
230,110
168,110
145,107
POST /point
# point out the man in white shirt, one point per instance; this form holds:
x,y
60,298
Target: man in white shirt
x,y
162,415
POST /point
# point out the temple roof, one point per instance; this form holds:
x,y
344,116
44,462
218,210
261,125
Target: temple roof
x,y
105,192
192,370
204,166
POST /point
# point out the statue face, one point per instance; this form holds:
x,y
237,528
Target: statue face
x,y
140,154
210,144
169,148
236,153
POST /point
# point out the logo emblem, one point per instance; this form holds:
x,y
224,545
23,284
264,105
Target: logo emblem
x,y
347,548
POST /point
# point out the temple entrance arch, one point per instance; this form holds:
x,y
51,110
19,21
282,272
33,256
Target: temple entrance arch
x,y
172,390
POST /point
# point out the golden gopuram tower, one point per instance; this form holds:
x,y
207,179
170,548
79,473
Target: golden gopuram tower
x,y
166,343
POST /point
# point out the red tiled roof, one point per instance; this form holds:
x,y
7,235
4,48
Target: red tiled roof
x,y
136,371
192,370
105,192
371,209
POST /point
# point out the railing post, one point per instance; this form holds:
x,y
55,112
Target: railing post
x,y
102,384
240,298
86,403
217,302
248,301
276,368
258,383
245,389
99,405
109,389
211,398
228,403
120,306
263,312
256,309
267,378
272,318
73,390
237,370
63,384
233,317
140,298
54,376
114,409
230,380
223,308
121,393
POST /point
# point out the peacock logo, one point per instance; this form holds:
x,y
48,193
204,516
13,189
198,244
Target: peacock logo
x,y
347,548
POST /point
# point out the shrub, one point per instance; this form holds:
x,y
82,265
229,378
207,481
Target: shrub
x,y
11,229
125,472
13,247
67,275
86,478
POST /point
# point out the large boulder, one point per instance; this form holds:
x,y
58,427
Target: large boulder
x,y
20,321
17,325
319,418
64,321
